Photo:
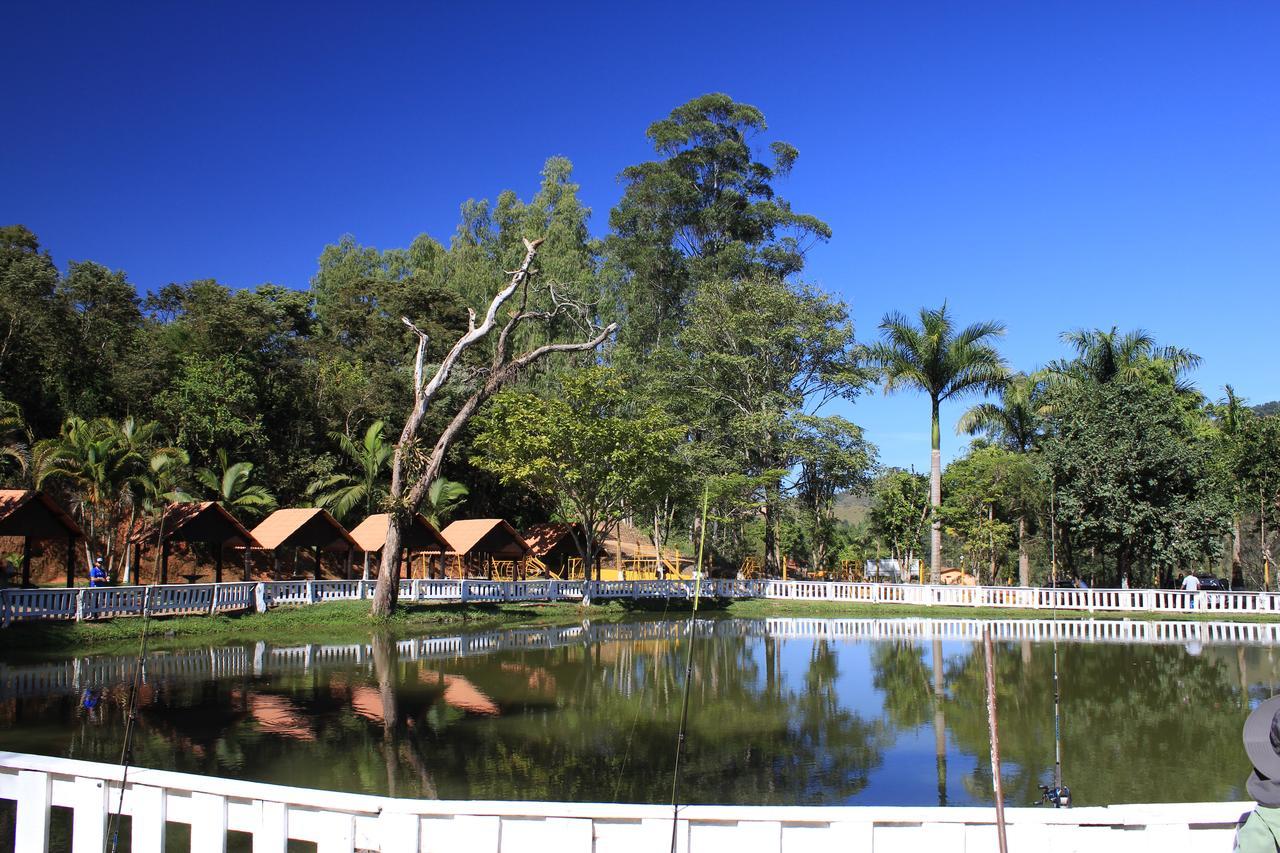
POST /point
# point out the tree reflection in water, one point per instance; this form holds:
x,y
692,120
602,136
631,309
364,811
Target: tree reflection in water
x,y
773,721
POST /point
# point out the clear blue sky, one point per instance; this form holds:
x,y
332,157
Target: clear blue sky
x,y
1051,165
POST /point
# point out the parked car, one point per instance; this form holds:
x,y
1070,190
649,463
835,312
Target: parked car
x,y
1209,583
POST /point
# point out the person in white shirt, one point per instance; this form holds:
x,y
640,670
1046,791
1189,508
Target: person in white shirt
x,y
1191,583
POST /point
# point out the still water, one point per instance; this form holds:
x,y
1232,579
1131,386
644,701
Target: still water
x,y
857,712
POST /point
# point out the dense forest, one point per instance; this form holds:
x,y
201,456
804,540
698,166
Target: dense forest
x,y
719,380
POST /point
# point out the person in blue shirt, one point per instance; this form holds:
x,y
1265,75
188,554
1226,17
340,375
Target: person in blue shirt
x,y
97,574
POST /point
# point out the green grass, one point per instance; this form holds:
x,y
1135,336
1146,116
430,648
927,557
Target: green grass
x,y
349,621
332,622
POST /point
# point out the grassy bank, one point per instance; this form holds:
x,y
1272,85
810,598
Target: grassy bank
x,y
348,621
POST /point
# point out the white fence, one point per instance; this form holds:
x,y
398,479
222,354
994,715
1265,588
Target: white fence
x,y
187,599
343,823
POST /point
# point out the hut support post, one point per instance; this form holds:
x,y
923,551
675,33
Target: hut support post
x,y
71,561
26,561
217,564
246,563
164,562
350,555
364,576
317,550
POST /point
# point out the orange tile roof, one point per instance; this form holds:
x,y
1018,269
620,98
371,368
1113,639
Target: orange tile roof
x,y
286,527
464,535
176,516
544,538
14,500
371,534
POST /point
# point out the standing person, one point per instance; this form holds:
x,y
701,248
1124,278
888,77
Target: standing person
x,y
1260,833
97,574
1191,583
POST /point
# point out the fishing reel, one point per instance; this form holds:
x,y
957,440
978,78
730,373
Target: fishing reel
x,y
1059,798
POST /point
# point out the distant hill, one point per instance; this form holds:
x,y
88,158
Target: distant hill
x,y
1272,408
852,508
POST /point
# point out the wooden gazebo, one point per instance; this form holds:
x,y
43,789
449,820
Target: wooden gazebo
x,y
480,542
421,538
207,522
304,528
35,515
553,543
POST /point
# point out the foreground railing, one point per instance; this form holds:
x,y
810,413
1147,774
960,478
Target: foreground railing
x,y
188,599
274,815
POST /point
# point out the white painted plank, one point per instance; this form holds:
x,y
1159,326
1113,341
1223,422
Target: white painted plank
x,y
272,834
89,816
470,833
398,833
563,835
208,823
338,836
147,807
747,836
34,799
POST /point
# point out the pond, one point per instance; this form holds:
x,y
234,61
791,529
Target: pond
x,y
856,712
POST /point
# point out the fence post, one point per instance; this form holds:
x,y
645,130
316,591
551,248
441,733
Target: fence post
x,y
464,590
213,598
260,597
311,592
80,605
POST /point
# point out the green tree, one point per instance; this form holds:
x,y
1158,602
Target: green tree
x,y
899,510
706,210
833,457
211,403
1102,356
229,484
590,450
366,490
755,358
34,347
443,499
1256,472
1133,479
1014,423
944,363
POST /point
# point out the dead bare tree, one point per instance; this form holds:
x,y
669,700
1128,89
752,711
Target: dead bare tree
x,y
410,476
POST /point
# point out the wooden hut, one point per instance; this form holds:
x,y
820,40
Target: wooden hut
x,y
555,543
34,515
421,538
481,545
304,528
207,522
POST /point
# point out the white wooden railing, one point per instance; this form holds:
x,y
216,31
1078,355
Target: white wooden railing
x,y
187,599
343,823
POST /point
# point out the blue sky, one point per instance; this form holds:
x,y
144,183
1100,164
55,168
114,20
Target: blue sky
x,y
1051,165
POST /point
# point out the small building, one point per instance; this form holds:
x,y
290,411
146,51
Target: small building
x,y
34,515
555,543
481,546
205,522
309,527
421,538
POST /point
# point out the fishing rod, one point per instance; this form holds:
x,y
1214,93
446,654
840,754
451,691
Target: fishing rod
x,y
688,671
1058,795
126,752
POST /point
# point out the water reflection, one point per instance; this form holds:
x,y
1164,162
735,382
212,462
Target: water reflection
x,y
782,712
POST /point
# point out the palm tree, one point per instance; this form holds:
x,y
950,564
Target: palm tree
x,y
943,363
155,488
1015,424
37,461
101,457
1102,356
229,485
443,498
342,493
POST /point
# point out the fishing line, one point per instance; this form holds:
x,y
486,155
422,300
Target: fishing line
x,y
688,671
126,753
